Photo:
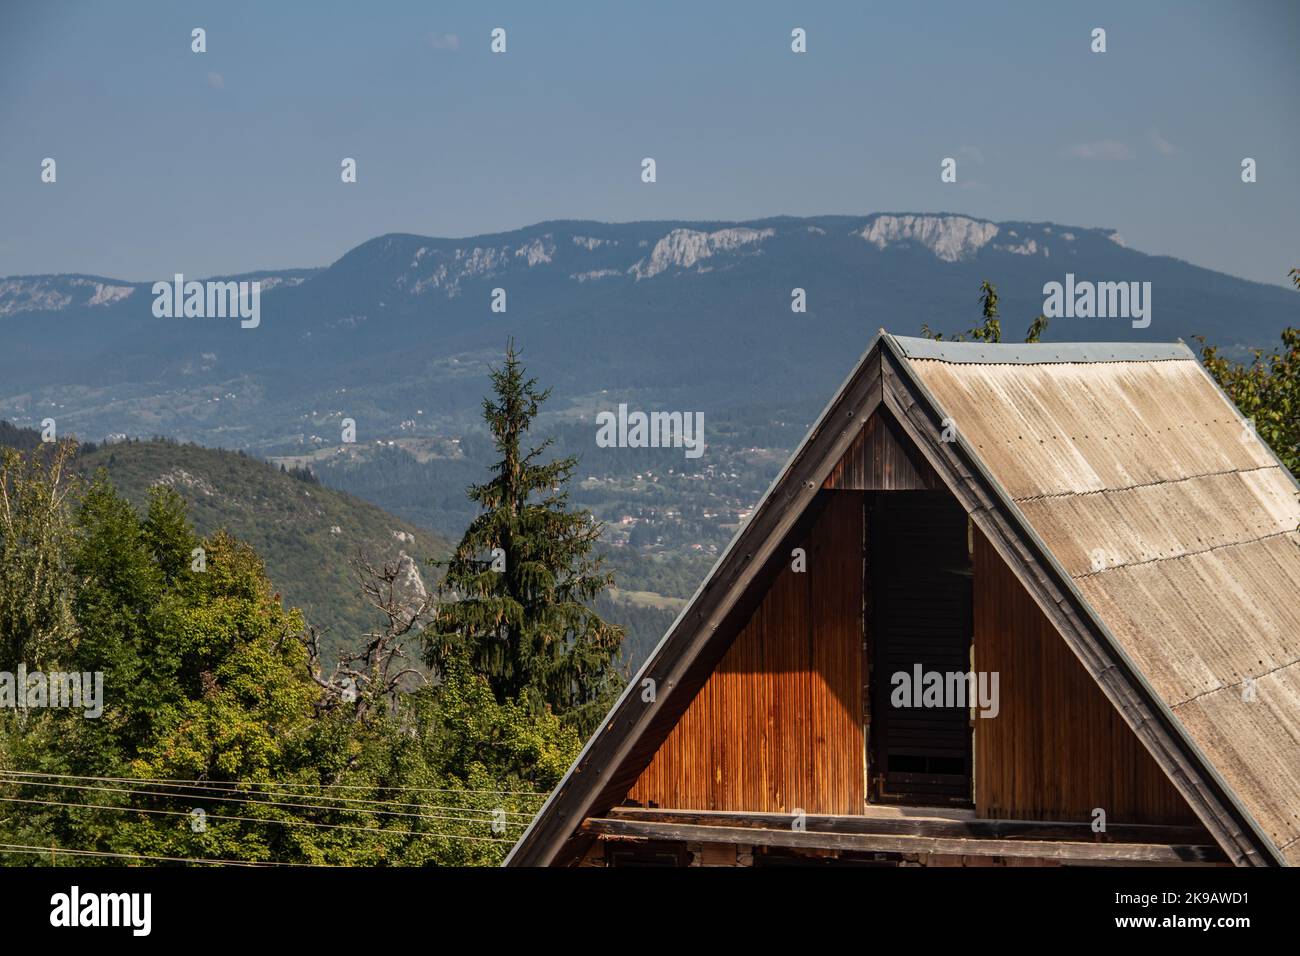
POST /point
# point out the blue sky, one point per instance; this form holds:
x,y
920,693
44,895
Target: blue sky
x,y
171,161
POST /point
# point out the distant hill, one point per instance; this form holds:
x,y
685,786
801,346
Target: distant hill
x,y
290,521
306,533
24,439
398,332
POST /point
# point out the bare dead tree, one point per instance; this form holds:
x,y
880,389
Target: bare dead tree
x,y
374,676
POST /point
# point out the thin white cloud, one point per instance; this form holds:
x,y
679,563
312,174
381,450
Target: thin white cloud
x,y
444,41
973,153
1102,149
1159,143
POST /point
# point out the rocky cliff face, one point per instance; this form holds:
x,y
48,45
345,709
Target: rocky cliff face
x,y
398,333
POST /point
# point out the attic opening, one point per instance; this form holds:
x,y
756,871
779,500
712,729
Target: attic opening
x,y
918,626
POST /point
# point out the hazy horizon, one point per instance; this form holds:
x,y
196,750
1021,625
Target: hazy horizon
x,y
626,222
228,161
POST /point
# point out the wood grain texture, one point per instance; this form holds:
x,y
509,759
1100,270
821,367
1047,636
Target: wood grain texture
x,y
1057,748
777,727
881,458
1064,851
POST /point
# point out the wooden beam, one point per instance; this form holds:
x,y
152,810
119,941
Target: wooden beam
x,y
948,826
1058,850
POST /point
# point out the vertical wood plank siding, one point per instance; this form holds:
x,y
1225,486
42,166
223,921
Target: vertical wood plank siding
x,y
882,459
778,724
1057,748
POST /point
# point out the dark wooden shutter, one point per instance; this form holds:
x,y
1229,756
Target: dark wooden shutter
x,y
921,590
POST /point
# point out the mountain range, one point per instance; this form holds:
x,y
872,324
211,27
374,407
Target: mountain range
x,y
397,334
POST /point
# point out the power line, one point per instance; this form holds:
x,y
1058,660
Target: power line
x,y
270,803
54,851
291,823
203,788
344,800
276,783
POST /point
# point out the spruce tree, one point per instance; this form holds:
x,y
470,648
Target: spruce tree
x,y
517,593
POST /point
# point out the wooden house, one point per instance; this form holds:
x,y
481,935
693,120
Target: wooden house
x,y
1092,528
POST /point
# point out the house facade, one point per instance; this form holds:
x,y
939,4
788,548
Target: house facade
x,y
1006,605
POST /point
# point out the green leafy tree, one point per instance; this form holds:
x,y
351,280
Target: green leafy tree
x,y
991,329
1267,391
207,689
519,587
36,621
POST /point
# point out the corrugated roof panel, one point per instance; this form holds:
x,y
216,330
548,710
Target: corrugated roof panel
x,y
1064,429
1093,532
1177,526
1198,623
1256,747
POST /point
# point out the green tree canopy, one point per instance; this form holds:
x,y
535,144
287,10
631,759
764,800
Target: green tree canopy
x,y
36,622
519,587
991,328
1267,391
209,703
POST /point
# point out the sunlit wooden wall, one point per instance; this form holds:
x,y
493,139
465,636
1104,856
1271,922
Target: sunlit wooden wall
x,y
1057,748
778,725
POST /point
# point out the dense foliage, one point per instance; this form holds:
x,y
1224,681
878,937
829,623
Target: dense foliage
x,y
212,702
1267,390
519,588
307,534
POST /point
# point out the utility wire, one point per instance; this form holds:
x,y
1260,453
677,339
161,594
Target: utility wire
x,y
290,823
205,789
55,851
267,803
277,783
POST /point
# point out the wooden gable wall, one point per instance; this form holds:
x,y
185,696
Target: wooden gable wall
x,y
882,458
778,725
1058,748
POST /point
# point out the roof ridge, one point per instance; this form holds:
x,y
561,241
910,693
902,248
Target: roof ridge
x,y
1041,353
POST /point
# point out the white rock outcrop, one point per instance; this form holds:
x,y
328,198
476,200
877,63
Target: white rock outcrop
x,y
684,248
950,238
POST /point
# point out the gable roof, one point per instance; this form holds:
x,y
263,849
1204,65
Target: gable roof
x,y
1178,527
1126,455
